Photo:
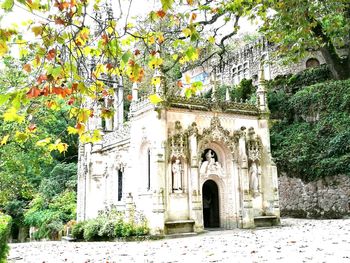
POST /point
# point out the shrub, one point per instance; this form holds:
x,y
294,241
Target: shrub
x,y
5,226
78,230
110,224
91,229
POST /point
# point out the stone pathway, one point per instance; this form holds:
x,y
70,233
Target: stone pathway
x,y
298,240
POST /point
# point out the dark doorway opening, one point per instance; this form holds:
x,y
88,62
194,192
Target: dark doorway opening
x,y
211,204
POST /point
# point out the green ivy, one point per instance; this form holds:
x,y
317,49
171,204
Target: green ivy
x,y
310,137
5,226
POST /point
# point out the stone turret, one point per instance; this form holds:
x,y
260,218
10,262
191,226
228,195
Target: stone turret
x,y
261,92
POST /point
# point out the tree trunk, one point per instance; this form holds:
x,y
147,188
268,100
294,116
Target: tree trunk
x,y
339,67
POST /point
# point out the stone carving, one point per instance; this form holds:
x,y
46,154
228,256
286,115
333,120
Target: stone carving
x,y
178,142
254,146
123,133
200,103
254,174
210,166
177,174
217,133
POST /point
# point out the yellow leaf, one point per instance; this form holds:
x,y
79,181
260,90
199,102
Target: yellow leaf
x,y
187,79
186,32
37,30
21,136
154,98
175,56
3,48
211,40
155,81
11,115
72,130
62,147
4,139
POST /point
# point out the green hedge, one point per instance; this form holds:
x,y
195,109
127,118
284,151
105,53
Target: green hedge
x,y
5,226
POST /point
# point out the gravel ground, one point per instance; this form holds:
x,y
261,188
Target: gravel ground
x,y
297,240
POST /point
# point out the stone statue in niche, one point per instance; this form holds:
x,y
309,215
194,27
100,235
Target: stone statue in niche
x,y
177,174
210,166
254,179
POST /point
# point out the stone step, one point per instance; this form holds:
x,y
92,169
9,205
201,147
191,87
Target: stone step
x,y
265,221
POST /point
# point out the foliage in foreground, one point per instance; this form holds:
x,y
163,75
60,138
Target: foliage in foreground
x,y
109,225
5,226
55,204
310,139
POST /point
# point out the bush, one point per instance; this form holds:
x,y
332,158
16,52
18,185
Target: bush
x,y
5,227
78,230
91,229
110,224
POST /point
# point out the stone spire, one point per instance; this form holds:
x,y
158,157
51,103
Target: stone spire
x,y
261,92
134,92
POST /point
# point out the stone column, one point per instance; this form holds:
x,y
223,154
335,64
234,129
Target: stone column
x,y
247,205
195,195
158,175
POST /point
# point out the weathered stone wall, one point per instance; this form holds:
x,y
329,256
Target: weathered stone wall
x,y
325,198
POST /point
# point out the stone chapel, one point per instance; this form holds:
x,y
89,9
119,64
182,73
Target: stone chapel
x,y
186,164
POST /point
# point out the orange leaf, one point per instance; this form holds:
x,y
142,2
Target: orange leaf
x,y
137,52
71,101
193,16
129,97
161,13
74,87
51,54
179,84
33,92
32,127
27,68
42,78
59,21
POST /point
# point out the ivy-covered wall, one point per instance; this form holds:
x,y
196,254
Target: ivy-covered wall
x,y
310,117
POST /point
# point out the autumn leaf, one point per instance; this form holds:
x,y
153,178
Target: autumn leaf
x,y
37,30
27,68
51,54
33,93
161,13
129,97
32,127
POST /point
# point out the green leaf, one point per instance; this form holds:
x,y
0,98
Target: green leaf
x,y
7,5
167,4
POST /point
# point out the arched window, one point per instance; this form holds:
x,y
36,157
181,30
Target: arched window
x,y
120,184
148,169
312,63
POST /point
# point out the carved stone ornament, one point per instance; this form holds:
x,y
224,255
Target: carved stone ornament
x,y
254,146
178,143
216,133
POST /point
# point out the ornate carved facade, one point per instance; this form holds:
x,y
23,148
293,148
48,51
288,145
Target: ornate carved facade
x,y
186,164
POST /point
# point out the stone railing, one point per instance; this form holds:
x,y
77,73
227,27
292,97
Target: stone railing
x,y
200,103
142,103
121,134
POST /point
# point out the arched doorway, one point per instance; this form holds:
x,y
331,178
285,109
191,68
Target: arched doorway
x,y
211,204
